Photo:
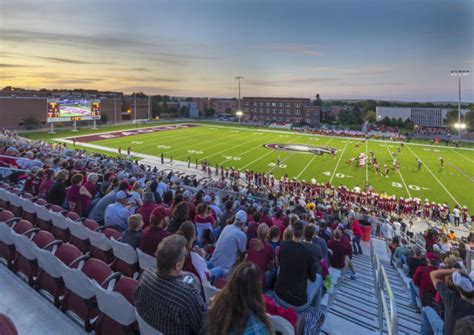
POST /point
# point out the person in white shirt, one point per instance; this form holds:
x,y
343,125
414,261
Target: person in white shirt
x,y
457,215
387,230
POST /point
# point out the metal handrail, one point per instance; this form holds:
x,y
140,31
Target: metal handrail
x,y
382,286
469,260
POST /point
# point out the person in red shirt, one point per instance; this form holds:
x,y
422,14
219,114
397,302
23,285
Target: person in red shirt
x,y
357,235
147,208
153,234
253,226
261,253
422,280
340,250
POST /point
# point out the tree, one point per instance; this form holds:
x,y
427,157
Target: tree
x,y
184,111
469,119
370,116
451,117
31,123
409,124
104,118
209,112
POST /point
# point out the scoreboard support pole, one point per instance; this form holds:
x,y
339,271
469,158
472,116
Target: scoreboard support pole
x,y
74,125
94,125
52,129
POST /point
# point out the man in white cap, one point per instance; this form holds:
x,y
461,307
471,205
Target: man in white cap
x,y
232,244
116,214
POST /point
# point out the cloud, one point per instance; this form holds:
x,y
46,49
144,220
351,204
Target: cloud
x,y
359,71
3,65
68,60
290,81
293,48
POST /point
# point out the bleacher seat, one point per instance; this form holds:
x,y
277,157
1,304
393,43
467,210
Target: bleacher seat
x,y
60,227
116,307
26,259
7,327
79,297
79,235
101,248
91,224
126,259
281,325
49,277
145,261
145,328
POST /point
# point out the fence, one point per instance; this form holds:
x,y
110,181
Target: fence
x,y
387,309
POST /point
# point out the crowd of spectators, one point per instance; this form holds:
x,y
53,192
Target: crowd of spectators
x,y
269,246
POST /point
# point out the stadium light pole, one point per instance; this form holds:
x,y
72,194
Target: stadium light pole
x,y
135,106
239,78
459,74
115,108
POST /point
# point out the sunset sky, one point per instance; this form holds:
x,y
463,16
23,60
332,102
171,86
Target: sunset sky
x,y
383,49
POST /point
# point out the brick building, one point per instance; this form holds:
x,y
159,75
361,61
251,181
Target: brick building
x,y
16,106
288,110
221,106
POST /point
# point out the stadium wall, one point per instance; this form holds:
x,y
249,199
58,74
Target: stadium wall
x,y
14,110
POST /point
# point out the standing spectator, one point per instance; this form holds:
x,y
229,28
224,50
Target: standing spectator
x,y
148,206
133,233
57,192
155,232
340,250
169,299
180,215
231,245
315,249
297,284
136,196
457,215
116,214
261,253
239,307
322,244
357,235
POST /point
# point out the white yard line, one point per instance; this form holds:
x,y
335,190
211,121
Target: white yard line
x,y
262,157
339,161
311,161
436,178
233,147
399,172
460,154
242,153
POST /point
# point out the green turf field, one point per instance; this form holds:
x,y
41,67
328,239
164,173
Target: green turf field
x,y
243,148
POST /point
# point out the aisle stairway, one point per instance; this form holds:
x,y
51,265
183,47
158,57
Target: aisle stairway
x,y
353,309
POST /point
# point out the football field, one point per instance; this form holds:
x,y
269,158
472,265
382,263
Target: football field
x,y
308,157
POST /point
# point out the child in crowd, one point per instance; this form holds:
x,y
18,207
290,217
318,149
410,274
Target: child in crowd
x,y
133,233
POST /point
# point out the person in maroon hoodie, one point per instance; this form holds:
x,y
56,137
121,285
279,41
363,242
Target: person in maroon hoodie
x,y
148,206
422,281
153,234
340,250
357,235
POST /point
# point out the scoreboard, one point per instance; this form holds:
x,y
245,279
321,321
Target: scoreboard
x,y
73,109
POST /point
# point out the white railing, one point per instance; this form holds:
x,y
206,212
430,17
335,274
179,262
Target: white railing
x,y
469,260
387,309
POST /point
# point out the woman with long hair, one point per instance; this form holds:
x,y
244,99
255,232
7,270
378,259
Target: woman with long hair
x,y
180,214
261,253
239,308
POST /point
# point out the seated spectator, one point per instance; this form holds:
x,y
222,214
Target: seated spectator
x,y
297,284
46,183
98,211
155,232
136,193
226,215
458,302
169,299
133,233
421,285
239,308
148,206
274,237
231,245
116,214
78,197
195,261
414,261
91,184
253,226
261,253
204,224
56,194
180,215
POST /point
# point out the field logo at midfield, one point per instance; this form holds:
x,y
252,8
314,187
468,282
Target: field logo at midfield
x,y
300,148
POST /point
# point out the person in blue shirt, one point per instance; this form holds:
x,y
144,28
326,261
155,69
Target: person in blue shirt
x,y
116,214
239,307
